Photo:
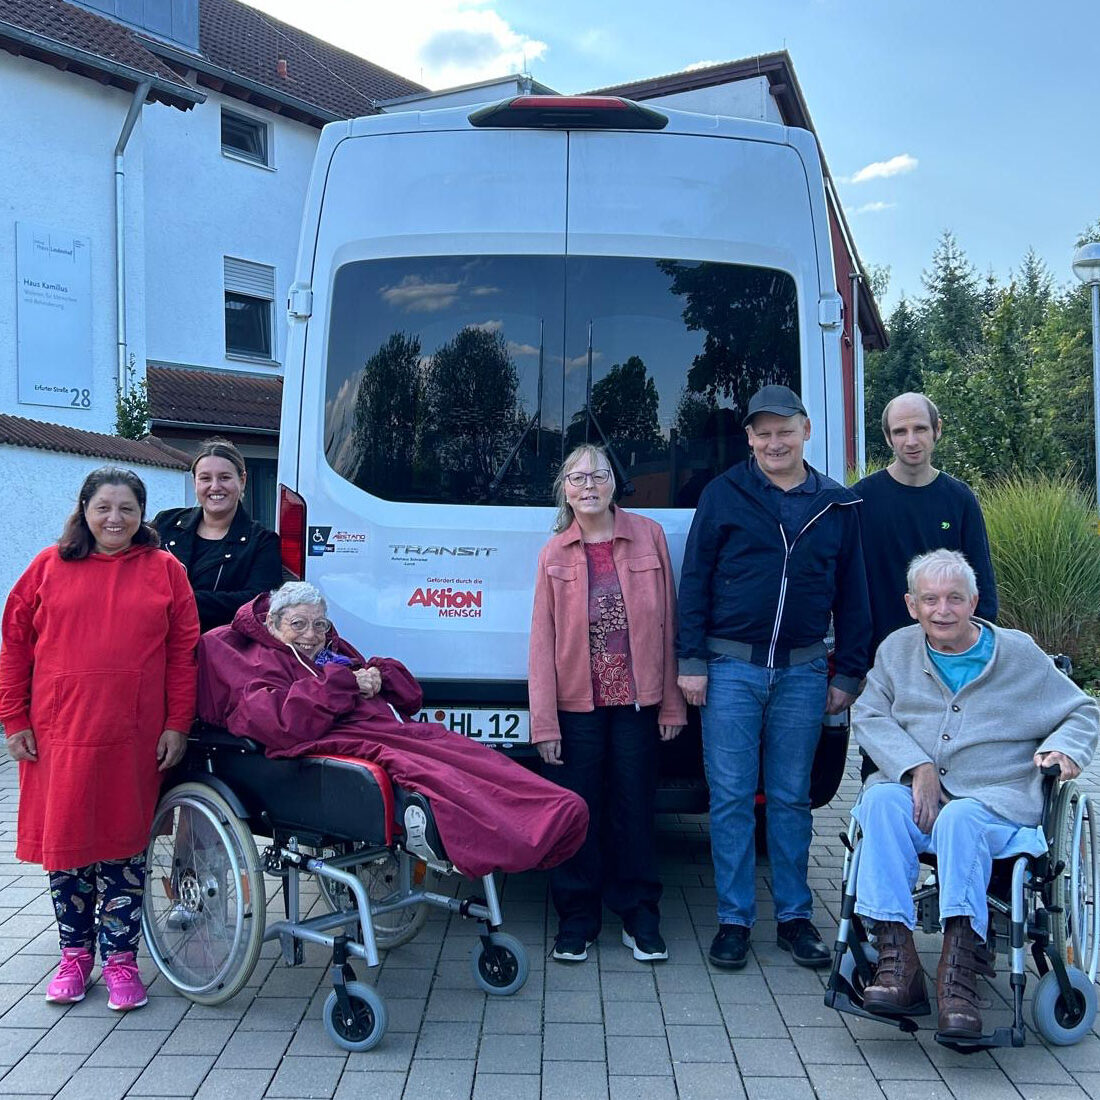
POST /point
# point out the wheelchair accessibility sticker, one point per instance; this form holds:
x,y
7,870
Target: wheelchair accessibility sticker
x,y
324,540
319,544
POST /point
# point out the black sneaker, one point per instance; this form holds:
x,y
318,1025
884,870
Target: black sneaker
x,y
571,947
730,947
647,946
803,941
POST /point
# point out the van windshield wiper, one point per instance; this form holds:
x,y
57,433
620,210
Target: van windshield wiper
x,y
534,422
626,486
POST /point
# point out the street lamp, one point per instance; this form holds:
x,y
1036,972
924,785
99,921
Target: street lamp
x,y
1086,266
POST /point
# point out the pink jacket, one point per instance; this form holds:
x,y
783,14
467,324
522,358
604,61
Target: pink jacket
x,y
559,670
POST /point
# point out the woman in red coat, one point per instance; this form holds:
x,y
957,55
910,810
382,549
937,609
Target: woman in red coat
x,y
281,675
97,691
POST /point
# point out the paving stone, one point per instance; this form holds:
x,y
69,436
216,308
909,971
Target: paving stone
x,y
846,1082
17,1041
454,1005
575,1042
160,1014
572,1081
633,1018
518,1054
641,1088
198,1036
74,1034
274,1014
699,1043
683,979
628,986
579,1008
829,1045
574,976
172,1075
985,1083
394,1053
1040,1092
253,1050
749,1022
89,1083
1031,1065
765,1057
637,1056
507,1016
32,1010
447,1039
434,1080
307,1077
234,1084
292,981
806,1010
929,1090
714,1081
894,1061
690,1008
778,1088
123,1049
42,1074
506,1086
368,1086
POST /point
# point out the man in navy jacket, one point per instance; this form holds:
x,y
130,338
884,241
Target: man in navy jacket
x,y
773,551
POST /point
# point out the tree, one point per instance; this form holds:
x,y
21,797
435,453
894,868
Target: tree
x,y
624,403
953,309
387,409
472,418
1034,293
898,369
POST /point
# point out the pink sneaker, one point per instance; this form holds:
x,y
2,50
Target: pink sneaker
x,y
68,984
123,981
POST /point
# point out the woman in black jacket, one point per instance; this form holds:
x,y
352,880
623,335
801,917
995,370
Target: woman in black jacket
x,y
229,557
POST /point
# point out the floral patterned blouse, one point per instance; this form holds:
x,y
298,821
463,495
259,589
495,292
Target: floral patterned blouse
x,y
609,646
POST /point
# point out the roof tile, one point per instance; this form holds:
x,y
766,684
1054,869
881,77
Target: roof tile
x,y
18,431
186,396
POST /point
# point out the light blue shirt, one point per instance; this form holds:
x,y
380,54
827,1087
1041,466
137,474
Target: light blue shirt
x,y
959,669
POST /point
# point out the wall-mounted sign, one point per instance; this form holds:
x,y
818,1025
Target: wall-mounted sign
x,y
53,277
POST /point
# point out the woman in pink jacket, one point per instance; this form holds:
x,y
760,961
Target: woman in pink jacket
x,y
602,678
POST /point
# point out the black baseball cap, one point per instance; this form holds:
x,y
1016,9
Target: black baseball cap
x,y
774,399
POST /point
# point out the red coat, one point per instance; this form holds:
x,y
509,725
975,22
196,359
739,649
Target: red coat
x,y
492,813
98,659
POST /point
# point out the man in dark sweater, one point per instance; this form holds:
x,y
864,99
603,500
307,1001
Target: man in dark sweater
x,y
910,508
774,552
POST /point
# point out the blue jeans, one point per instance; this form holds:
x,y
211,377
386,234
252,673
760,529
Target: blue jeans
x,y
966,838
750,709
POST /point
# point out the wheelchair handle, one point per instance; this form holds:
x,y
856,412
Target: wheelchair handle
x,y
1053,770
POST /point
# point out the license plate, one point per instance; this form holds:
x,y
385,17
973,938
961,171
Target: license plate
x,y
498,727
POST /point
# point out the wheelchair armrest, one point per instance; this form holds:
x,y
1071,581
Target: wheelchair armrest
x,y
215,737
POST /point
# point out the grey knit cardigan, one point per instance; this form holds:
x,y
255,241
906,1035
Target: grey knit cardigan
x,y
982,739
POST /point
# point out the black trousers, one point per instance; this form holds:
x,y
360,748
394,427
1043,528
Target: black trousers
x,y
610,759
103,897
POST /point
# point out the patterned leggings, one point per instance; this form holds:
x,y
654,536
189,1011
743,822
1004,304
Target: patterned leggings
x,y
118,886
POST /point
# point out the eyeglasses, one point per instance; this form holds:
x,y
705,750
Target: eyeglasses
x,y
579,480
300,626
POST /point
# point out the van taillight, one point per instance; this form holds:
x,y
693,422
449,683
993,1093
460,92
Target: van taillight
x,y
569,112
292,531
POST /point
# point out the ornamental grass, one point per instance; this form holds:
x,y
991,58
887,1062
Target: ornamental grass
x,y
1046,554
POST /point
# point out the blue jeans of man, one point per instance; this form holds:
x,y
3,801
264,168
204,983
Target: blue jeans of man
x,y
775,711
966,837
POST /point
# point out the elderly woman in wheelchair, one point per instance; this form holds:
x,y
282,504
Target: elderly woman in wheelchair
x,y
962,720
309,743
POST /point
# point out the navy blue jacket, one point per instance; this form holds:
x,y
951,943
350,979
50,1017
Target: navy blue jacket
x,y
745,580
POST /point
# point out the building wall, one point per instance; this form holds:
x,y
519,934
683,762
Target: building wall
x,y
57,137
38,492
742,99
201,206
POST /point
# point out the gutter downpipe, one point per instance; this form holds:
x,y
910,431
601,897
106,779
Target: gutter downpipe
x,y
857,363
137,101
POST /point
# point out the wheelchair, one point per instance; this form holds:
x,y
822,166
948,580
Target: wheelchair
x,y
333,819
1048,901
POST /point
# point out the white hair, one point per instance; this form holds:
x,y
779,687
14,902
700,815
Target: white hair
x,y
293,593
941,565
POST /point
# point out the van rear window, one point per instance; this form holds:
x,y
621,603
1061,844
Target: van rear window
x,y
465,379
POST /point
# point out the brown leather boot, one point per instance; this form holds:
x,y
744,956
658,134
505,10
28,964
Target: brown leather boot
x,y
964,958
898,987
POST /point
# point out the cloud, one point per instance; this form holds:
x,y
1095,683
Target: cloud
x,y
884,169
575,361
488,326
413,295
440,43
521,349
874,207
700,65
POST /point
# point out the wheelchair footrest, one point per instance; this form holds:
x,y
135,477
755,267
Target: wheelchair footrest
x,y
1001,1037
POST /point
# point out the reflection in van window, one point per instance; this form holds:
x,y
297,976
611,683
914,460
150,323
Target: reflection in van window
x,y
464,380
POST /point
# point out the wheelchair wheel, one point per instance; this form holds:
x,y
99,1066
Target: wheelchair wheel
x,y
1057,1022
382,880
203,913
367,1025
502,967
1076,843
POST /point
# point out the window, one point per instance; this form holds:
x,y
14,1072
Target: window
x,y
244,137
249,306
465,379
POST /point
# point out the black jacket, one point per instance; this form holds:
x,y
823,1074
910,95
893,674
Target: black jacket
x,y
745,580
250,563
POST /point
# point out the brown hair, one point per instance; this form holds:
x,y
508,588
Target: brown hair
x,y
586,450
219,448
77,540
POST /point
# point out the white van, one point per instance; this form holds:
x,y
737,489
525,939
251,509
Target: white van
x,y
477,291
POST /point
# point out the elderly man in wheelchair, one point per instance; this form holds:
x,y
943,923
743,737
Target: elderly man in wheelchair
x,y
962,720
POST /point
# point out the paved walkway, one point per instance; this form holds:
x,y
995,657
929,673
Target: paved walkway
x,y
609,1028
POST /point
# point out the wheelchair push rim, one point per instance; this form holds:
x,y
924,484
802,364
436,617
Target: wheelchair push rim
x,y
203,911
1076,844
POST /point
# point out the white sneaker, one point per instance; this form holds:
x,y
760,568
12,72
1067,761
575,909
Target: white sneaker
x,y
416,835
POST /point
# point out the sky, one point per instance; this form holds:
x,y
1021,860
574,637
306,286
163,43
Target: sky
x,y
981,117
